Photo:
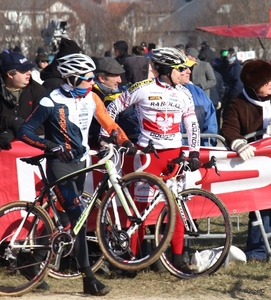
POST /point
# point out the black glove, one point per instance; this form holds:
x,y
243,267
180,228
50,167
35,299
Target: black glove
x,y
131,148
194,162
5,139
63,154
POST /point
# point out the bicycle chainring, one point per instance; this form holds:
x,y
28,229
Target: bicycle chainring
x,y
62,240
119,242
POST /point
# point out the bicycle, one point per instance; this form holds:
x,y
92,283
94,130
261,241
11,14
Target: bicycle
x,y
208,229
30,238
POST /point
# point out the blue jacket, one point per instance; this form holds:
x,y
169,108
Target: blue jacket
x,y
205,112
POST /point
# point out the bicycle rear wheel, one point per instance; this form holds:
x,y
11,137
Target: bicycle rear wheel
x,y
125,250
205,251
22,266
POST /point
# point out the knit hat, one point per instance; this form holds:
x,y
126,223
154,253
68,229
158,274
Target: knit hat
x,y
256,73
192,52
108,65
204,43
42,57
67,47
16,60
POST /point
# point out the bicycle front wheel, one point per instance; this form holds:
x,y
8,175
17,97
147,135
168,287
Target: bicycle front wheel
x,y
124,239
206,247
25,247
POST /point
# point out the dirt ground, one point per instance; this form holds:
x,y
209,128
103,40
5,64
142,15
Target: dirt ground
x,y
151,286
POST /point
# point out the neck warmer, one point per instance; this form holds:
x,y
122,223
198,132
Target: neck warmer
x,y
80,92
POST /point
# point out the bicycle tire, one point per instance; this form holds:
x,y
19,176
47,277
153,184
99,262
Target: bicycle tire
x,y
119,253
204,254
68,265
21,271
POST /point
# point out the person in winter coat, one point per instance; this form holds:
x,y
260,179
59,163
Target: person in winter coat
x,y
232,81
206,53
19,95
202,73
251,111
50,75
121,52
204,108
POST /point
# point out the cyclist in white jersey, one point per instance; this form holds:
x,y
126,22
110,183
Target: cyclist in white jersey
x,y
161,104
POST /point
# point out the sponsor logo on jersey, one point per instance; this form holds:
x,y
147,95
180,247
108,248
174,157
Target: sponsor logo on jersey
x,y
152,98
140,84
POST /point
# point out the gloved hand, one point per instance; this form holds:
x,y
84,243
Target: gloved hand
x,y
63,154
5,139
131,148
245,150
194,162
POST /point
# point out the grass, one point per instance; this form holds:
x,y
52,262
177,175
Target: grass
x,y
236,281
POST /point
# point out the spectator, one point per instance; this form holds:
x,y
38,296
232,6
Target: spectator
x,y
107,87
180,47
206,53
217,92
19,95
17,49
107,53
188,45
232,81
137,67
144,45
121,52
50,74
161,105
204,108
42,61
251,111
78,105
151,47
202,73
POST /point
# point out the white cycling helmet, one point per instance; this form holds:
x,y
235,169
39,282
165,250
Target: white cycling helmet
x,y
168,56
75,64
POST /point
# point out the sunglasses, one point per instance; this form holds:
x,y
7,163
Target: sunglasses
x,y
180,68
88,79
45,61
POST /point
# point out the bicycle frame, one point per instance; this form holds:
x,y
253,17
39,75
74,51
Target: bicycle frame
x,y
112,176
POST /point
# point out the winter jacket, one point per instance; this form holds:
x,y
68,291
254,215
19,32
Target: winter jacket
x,y
245,115
28,100
205,112
136,68
203,76
217,92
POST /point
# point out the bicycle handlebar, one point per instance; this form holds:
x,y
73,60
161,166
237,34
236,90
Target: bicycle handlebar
x,y
175,164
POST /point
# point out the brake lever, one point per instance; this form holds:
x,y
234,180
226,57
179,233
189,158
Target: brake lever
x,y
150,148
212,163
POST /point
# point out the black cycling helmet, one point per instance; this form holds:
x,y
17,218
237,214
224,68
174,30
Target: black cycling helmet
x,y
168,58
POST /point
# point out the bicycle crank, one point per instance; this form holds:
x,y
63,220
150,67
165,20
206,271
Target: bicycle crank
x,y
119,242
62,242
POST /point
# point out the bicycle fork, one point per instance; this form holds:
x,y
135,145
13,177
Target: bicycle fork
x,y
183,209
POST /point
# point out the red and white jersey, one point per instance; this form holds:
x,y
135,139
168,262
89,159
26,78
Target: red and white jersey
x,y
161,109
